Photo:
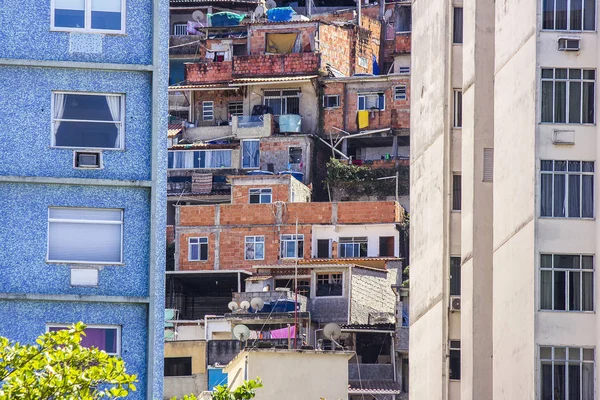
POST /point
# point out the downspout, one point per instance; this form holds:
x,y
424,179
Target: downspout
x,y
349,294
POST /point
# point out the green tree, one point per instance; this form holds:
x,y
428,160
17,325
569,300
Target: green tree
x,y
58,367
245,391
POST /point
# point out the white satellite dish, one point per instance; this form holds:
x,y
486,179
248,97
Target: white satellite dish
x,y
257,304
332,331
244,305
198,15
387,15
233,305
259,12
271,4
241,332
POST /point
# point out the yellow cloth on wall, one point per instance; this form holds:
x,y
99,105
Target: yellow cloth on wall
x,y
363,119
281,43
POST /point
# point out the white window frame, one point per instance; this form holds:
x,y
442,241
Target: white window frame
x,y
261,192
290,238
254,241
326,96
568,12
457,111
208,111
121,122
199,168
566,173
404,70
88,20
453,347
199,244
107,222
283,98
243,153
399,92
566,362
177,29
354,243
315,285
237,104
363,62
579,270
365,95
116,327
567,81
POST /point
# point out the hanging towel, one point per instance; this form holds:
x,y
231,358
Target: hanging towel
x,y
363,119
283,333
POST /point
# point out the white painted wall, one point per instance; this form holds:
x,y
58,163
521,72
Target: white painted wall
x,y
217,328
372,232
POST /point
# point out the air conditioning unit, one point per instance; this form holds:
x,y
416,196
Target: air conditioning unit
x,y
563,137
568,44
454,303
87,160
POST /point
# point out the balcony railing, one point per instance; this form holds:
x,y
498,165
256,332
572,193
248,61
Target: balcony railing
x,y
381,372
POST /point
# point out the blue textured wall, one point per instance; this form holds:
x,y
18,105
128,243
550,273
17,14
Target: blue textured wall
x,y
25,34
23,234
28,320
26,128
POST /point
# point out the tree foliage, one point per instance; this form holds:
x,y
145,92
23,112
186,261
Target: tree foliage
x,y
245,391
58,367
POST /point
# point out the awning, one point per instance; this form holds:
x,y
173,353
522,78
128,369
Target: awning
x,y
273,80
373,387
173,130
223,86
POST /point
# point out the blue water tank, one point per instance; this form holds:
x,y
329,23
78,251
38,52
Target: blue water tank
x,y
298,175
290,123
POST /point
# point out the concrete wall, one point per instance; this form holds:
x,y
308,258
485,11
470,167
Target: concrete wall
x,y
371,232
179,386
196,349
371,292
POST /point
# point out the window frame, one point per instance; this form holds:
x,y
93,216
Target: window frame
x,y
121,122
243,155
261,192
380,99
457,260
457,190
457,117
329,275
567,82
93,222
454,345
336,96
50,325
199,244
206,105
567,362
169,152
283,99
236,104
566,173
254,242
568,14
88,20
567,282
404,70
462,22
353,242
293,238
397,96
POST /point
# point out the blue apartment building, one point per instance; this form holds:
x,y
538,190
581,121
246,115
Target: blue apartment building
x,y
83,103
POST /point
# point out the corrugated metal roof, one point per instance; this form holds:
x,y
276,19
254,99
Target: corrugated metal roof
x,y
258,278
275,79
214,86
374,387
369,327
186,2
173,130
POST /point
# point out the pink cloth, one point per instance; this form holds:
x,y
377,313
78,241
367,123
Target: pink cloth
x,y
283,333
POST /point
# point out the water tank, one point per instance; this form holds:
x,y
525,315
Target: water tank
x,y
290,123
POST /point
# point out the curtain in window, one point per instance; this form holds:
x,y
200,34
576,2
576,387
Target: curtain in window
x,y
221,159
548,18
588,291
587,376
547,381
546,206
574,199
588,103
560,102
587,194
574,102
458,25
560,197
546,291
574,291
576,15
589,22
60,101
559,290
561,16
251,156
559,381
547,88
574,376
114,105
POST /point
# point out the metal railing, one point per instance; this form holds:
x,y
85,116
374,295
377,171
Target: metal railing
x,y
180,29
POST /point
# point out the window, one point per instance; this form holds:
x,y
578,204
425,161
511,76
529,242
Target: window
x,y
179,29
283,101
352,247
400,92
331,101
488,165
208,110
454,276
569,15
89,15
295,155
457,108
568,95
457,36
567,373
292,246
386,246
198,249
329,284
363,62
102,337
85,235
235,108
250,153
199,159
255,248
567,189
456,192
87,120
178,366
404,70
260,196
403,19
454,360
303,285
323,248
566,282
372,101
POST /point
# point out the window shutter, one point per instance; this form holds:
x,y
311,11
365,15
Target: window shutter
x,y
488,165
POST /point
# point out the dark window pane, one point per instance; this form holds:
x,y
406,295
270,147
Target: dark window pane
x,y
69,18
178,366
587,262
548,18
547,98
546,198
588,166
559,290
574,196
546,261
588,103
574,102
455,276
456,192
589,17
547,165
574,73
574,376
559,381
548,73
106,20
574,166
566,261
458,25
589,74
574,291
455,364
323,249
204,252
560,102
587,288
560,165
560,73
559,196
587,381
547,381
587,194
87,134
576,15
561,14
546,290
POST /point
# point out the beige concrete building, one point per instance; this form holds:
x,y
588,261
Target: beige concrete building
x,y
503,234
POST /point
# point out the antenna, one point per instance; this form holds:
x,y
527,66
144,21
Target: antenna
x,y
244,305
233,306
271,4
387,15
198,15
257,304
241,332
259,12
332,331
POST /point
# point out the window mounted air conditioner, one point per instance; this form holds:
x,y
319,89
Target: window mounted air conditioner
x,y
563,137
87,160
454,303
568,44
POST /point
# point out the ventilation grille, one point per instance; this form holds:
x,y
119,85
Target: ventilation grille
x,y
488,165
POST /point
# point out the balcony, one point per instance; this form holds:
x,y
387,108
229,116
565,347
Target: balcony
x,y
177,44
380,372
252,127
211,132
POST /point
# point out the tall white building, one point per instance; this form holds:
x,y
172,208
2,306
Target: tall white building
x,y
503,237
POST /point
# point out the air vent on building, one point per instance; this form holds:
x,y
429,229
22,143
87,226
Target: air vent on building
x,y
563,137
488,165
454,303
87,160
568,44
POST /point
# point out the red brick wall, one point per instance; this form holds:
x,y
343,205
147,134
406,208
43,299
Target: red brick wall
x,y
170,234
276,64
367,42
208,72
335,45
402,43
184,263
196,215
368,212
240,193
258,36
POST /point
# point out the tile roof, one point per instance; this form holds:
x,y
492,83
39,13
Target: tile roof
x,y
373,387
275,79
173,130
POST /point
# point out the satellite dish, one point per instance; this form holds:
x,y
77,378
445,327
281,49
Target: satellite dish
x,y
332,331
198,15
241,332
244,305
387,15
233,305
259,12
270,4
257,303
